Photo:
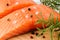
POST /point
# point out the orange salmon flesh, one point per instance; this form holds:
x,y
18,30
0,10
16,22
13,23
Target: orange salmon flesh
x,y
8,6
23,20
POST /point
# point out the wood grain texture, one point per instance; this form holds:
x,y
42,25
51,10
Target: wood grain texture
x,y
27,36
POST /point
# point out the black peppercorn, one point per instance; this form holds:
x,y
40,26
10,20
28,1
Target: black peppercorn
x,y
8,19
7,4
37,34
29,9
43,36
41,33
31,37
32,32
31,16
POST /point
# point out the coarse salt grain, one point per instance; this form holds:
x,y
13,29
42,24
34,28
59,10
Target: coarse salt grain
x,y
36,12
14,22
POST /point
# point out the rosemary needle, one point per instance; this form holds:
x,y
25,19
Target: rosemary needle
x,y
54,4
51,25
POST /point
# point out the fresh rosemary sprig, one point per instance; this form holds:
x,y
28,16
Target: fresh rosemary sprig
x,y
51,31
50,24
55,4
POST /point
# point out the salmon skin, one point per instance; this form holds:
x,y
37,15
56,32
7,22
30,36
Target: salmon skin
x,y
23,20
7,6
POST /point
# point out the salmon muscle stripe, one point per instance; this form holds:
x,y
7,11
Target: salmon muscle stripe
x,y
23,20
7,6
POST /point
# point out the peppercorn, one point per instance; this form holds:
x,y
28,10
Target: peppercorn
x,y
7,4
32,32
37,34
31,16
43,36
8,19
29,9
31,37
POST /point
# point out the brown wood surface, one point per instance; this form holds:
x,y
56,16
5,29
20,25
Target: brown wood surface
x,y
27,36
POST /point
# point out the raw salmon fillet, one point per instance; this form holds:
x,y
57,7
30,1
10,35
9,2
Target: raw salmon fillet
x,y
23,20
7,6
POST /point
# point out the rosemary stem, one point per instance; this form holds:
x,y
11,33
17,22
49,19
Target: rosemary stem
x,y
59,36
51,34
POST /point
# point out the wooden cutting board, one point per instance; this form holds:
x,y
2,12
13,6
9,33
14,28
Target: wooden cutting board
x,y
27,36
